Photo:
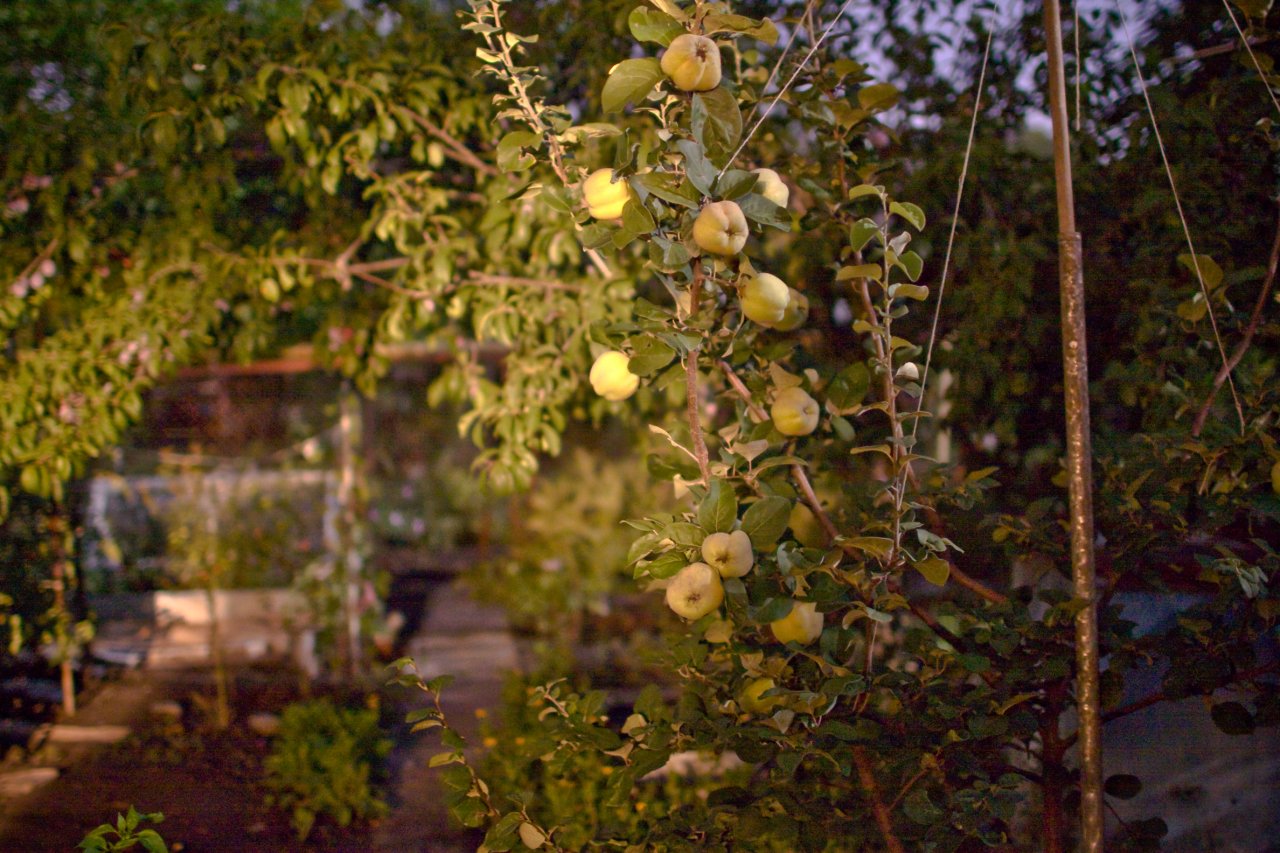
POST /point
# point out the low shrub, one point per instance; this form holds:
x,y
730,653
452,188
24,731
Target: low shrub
x,y
325,762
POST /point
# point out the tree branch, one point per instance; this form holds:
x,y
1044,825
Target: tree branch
x,y
884,819
516,281
1243,346
1160,696
693,407
798,474
457,151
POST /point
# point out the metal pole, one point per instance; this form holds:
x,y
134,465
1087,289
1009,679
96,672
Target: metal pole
x,y
1075,367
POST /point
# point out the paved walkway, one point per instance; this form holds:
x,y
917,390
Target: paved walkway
x,y
472,643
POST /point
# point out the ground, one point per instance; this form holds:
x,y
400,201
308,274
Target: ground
x,y
208,784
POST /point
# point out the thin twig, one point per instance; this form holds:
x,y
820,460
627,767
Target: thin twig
x,y
798,474
517,281
910,783
1243,346
951,238
1256,64
1182,217
693,403
884,819
457,151
1160,696
773,103
534,119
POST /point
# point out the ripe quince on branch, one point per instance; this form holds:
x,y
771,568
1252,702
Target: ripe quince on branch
x,y
693,63
720,228
612,378
604,196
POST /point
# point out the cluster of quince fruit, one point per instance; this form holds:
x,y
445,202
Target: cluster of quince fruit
x,y
692,63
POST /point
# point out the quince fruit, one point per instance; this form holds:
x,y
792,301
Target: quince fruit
x,y
802,625
720,228
764,299
771,187
692,62
695,591
794,412
805,527
729,553
604,196
611,378
749,699
797,311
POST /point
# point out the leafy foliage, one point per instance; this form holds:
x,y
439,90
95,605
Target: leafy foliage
x,y
125,835
324,764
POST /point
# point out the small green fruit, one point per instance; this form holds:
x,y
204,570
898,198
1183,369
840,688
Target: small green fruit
x,y
794,412
692,62
721,228
695,591
802,625
765,298
797,311
604,196
729,553
611,378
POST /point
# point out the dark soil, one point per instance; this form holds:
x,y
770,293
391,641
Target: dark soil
x,y
208,784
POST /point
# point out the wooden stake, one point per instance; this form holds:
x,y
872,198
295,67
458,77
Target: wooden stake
x,y
1075,365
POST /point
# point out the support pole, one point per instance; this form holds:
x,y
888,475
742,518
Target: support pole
x,y
350,557
1075,366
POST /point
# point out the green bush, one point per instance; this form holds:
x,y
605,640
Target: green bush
x,y
324,763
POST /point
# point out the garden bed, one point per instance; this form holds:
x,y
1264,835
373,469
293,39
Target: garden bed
x,y
208,784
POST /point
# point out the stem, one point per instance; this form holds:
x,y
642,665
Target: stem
x,y
57,528
457,151
798,474
691,384
1243,346
521,93
867,779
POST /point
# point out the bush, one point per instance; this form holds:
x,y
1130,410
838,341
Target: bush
x,y
324,763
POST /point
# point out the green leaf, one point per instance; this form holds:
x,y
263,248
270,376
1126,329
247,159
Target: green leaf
x,y
880,96
665,566
651,355
1232,718
908,211
876,546
864,190
920,809
696,166
861,232
1210,272
934,569
911,264
763,30
669,188
653,26
636,218
531,836
765,521
671,8
871,271
629,82
759,209
849,387
735,183
719,509
511,155
684,534
910,291
1123,786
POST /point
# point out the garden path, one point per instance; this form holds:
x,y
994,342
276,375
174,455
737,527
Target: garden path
x,y
473,643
